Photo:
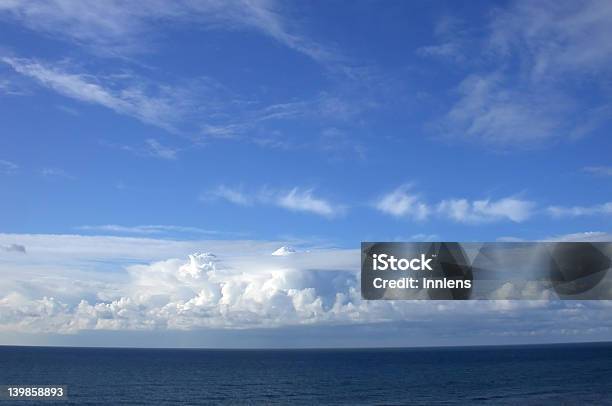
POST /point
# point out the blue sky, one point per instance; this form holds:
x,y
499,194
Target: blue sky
x,y
144,123
315,125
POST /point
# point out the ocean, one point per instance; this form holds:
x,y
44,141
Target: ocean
x,y
541,374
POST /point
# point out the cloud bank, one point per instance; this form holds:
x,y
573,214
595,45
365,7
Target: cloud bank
x,y
70,285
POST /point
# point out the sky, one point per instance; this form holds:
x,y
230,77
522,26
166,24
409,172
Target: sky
x,y
134,136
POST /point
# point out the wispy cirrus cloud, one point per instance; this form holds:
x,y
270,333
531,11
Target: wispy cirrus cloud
x,y
452,38
305,201
150,229
158,150
8,167
151,147
580,211
532,63
161,106
599,170
296,199
555,37
199,109
493,110
232,195
57,173
117,27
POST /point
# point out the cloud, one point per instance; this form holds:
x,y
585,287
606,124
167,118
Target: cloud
x,y
401,203
240,287
599,170
199,109
231,195
588,236
8,167
494,111
13,248
447,50
555,37
151,148
296,199
478,211
9,87
452,38
116,27
304,200
284,251
535,60
56,173
144,229
162,107
324,107
580,211
156,149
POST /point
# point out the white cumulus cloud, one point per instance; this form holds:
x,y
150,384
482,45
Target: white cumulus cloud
x,y
69,284
465,211
305,200
402,203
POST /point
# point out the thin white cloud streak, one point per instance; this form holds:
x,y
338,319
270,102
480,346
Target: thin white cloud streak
x,y
479,211
199,109
452,35
158,150
116,27
151,148
56,173
8,167
587,236
296,199
162,110
231,195
144,229
580,211
306,201
599,170
72,249
325,106
401,202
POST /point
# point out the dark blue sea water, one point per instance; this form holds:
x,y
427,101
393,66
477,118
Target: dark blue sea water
x,y
554,374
